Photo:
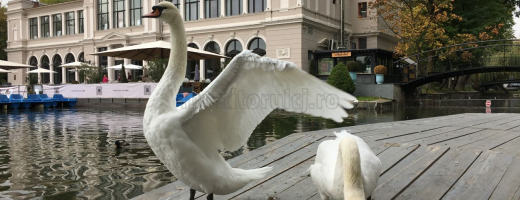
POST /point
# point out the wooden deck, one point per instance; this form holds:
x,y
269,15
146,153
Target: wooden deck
x,y
464,156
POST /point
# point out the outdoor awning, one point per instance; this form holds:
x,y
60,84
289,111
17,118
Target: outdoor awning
x,y
12,65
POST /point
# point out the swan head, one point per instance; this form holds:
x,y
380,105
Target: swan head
x,y
120,143
164,11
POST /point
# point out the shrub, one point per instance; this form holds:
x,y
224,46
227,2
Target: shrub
x,y
380,69
122,73
89,74
353,66
157,68
340,78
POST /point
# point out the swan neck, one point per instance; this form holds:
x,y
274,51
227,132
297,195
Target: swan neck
x,y
173,77
352,175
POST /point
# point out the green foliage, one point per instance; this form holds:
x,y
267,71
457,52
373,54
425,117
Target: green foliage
x,y
157,68
89,74
54,1
353,66
122,73
3,33
340,78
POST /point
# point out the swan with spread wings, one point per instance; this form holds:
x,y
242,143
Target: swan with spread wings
x,y
222,117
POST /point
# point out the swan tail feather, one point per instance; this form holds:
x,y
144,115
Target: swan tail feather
x,y
252,174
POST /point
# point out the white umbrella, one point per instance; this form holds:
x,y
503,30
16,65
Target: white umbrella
x,y
148,51
40,70
4,71
76,65
12,65
127,66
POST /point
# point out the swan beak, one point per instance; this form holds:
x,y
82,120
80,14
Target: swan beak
x,y
157,10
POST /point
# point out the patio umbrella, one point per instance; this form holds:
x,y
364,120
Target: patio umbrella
x,y
127,66
148,51
40,70
76,65
12,65
4,71
197,73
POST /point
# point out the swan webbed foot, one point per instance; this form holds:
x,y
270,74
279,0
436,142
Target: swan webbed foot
x,y
192,194
210,196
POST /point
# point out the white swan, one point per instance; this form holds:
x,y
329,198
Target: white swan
x,y
222,117
345,168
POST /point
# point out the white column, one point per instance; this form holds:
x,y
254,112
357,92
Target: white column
x,y
63,75
223,8
110,15
328,7
127,13
76,76
201,9
244,6
202,69
39,74
76,22
268,5
91,23
111,62
63,23
145,21
52,74
299,3
127,61
39,28
182,9
51,26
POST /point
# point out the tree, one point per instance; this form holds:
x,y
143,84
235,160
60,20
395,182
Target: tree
x,y
122,74
340,78
156,68
3,33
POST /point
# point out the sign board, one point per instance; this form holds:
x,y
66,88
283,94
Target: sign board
x,y
488,103
341,54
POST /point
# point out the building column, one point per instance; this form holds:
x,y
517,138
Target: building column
x,y
76,22
51,26
127,61
182,9
76,76
244,6
223,8
63,24
268,5
51,67
111,62
39,28
63,75
110,14
90,25
201,9
39,74
127,13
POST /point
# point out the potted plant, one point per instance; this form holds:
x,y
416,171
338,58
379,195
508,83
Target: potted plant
x,y
353,68
380,72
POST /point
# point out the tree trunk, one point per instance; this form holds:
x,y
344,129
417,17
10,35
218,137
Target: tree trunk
x,y
454,83
461,83
443,84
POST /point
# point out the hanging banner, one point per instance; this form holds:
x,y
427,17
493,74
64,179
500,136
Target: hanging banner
x,y
116,90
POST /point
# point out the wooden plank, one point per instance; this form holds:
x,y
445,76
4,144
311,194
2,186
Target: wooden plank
x,y
466,139
482,177
304,189
394,131
405,172
419,135
279,166
434,120
501,124
509,186
481,120
394,155
500,138
274,186
510,147
437,180
445,136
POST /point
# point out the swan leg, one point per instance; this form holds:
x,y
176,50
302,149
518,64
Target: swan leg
x,y
210,196
192,194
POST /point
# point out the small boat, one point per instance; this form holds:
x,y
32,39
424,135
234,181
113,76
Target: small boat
x,y
184,97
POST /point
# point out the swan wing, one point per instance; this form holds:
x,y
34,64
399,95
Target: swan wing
x,y
225,114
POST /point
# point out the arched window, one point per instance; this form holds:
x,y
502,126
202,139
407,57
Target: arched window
x,y
69,76
45,65
56,61
33,62
192,64
258,46
233,48
81,57
212,66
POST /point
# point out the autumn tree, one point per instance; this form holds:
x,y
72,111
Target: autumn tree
x,y
3,33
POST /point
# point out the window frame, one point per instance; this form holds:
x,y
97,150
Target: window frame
x,y
188,10
81,22
362,10
208,10
68,20
258,46
55,24
229,7
117,12
45,27
100,14
33,28
252,6
133,8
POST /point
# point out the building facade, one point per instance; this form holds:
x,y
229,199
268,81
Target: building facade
x,y
47,36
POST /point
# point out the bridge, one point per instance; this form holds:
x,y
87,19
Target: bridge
x,y
461,59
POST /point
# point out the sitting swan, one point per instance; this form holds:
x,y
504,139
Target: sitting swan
x,y
345,168
187,138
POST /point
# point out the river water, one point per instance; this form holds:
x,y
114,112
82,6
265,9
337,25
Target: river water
x,y
70,154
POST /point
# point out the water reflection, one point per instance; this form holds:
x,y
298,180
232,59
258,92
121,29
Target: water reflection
x,y
69,154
